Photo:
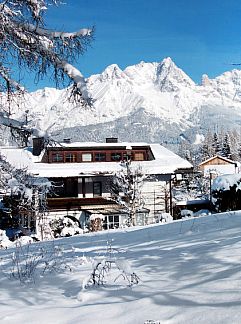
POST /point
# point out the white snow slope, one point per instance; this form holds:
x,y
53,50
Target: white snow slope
x,y
190,272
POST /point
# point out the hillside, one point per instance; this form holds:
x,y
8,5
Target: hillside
x,y
189,273
154,102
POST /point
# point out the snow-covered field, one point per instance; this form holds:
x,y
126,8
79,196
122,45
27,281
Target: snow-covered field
x,y
190,272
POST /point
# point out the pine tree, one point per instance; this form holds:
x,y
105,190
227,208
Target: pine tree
x,y
235,144
216,145
226,151
207,149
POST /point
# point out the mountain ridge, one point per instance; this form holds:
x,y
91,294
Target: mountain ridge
x,y
158,93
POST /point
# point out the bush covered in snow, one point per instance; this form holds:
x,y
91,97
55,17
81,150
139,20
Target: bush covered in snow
x,y
186,213
30,262
165,218
226,192
96,222
202,212
64,226
4,240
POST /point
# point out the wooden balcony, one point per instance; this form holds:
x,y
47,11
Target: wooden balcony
x,y
58,204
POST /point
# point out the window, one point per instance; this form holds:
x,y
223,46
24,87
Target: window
x,y
116,156
127,156
111,221
57,157
70,157
97,189
64,187
99,157
139,156
86,157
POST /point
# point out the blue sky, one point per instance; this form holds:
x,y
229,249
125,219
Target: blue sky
x,y
200,36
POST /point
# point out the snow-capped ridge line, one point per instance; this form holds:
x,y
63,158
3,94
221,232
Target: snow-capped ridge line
x,y
161,89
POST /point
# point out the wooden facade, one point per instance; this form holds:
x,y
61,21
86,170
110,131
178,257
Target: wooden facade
x,y
217,161
94,154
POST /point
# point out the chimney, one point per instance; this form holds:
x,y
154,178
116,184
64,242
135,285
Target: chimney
x,y
111,140
67,140
38,145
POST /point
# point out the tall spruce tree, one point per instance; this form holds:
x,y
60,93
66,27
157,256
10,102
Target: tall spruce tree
x,y
217,149
226,150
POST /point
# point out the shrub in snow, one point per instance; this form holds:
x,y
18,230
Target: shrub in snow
x,y
65,227
226,192
202,212
96,222
30,262
102,268
165,218
186,213
4,240
70,231
126,272
25,240
110,269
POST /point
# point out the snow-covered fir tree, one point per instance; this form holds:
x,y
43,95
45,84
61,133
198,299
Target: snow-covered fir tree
x,y
206,149
226,144
216,145
226,150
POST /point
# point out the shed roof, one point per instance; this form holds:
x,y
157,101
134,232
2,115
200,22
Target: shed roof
x,y
219,157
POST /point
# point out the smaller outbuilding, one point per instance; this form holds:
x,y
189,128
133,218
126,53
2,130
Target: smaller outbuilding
x,y
219,165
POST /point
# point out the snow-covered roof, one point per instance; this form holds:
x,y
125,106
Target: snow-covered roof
x,y
192,202
165,162
98,145
219,157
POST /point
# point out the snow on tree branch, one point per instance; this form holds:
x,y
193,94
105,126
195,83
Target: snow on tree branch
x,y
56,34
10,82
25,41
19,126
19,183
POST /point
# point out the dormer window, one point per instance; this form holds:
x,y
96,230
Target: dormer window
x,y
139,156
86,157
116,156
127,156
57,157
100,157
70,157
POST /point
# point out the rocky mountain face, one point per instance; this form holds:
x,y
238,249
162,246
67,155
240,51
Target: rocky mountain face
x,y
154,102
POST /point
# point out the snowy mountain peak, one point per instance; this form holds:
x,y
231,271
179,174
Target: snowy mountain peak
x,y
141,73
112,72
169,76
168,63
206,81
233,76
